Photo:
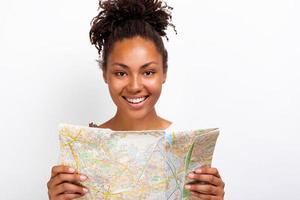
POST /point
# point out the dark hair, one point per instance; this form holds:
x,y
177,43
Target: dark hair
x,y
120,19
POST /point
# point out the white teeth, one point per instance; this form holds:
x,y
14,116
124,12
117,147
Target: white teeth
x,y
137,100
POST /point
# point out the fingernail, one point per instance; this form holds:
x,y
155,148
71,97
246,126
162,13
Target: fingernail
x,y
191,175
85,190
198,170
72,170
187,187
82,177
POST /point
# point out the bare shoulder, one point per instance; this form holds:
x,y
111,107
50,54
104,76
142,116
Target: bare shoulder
x,y
106,124
165,123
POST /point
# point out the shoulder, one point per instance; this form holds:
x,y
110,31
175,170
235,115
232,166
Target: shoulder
x,y
170,127
102,126
176,126
93,125
163,124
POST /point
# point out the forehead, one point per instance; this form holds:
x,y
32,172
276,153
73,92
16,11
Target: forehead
x,y
134,51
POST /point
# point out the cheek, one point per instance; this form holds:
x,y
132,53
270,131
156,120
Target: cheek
x,y
115,86
154,86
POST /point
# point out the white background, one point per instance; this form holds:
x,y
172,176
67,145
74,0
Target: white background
x,y
234,65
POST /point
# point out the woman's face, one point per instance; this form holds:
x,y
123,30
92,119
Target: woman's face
x,y
134,74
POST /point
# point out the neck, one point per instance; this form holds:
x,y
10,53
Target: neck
x,y
150,122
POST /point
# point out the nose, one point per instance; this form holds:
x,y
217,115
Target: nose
x,y
135,84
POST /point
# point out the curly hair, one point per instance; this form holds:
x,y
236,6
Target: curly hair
x,y
120,19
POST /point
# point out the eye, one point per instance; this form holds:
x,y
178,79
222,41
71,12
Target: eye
x,y
149,73
121,74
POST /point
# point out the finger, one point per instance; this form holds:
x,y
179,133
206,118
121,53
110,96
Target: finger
x,y
69,196
70,188
208,170
60,178
205,196
211,179
61,169
204,189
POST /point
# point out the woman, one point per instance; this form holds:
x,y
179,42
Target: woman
x,y
128,36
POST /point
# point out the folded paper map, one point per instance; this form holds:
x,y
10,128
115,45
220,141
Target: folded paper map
x,y
131,165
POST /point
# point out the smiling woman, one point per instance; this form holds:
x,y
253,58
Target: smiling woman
x,y
133,59
128,35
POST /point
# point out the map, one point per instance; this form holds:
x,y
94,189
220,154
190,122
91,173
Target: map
x,y
131,165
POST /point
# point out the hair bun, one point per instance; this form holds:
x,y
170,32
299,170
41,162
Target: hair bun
x,y
155,12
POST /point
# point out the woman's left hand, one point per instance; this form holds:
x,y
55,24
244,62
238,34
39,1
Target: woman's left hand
x,y
213,186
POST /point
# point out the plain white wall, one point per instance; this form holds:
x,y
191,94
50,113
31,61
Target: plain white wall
x,y
234,65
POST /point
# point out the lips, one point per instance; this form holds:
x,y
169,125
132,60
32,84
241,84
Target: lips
x,y
136,100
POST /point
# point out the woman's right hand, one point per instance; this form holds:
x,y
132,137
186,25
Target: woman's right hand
x,y
64,184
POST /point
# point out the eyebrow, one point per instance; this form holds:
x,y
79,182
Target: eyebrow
x,y
143,66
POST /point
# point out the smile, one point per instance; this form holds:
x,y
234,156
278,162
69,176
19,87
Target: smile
x,y
136,100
